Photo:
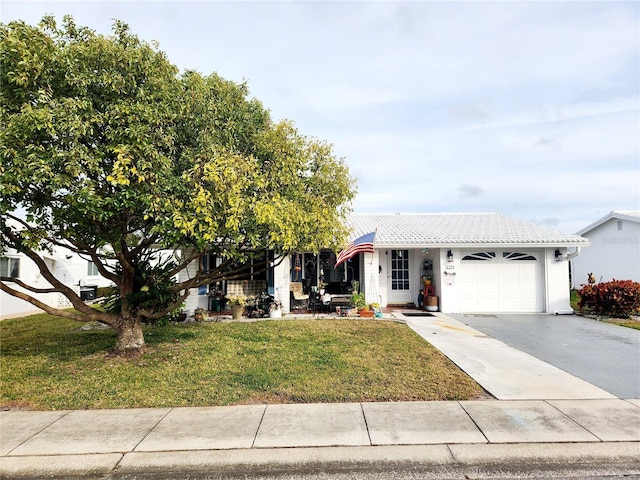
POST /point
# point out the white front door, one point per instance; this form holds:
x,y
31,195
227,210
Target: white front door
x,y
399,283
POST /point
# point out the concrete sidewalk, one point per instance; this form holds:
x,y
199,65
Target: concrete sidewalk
x,y
269,437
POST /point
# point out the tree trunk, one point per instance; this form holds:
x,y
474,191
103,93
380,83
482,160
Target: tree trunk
x,y
130,337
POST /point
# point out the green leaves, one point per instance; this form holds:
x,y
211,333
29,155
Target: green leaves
x,y
103,140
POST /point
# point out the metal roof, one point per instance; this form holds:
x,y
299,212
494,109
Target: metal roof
x,y
457,229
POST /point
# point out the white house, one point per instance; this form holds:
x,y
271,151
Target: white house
x,y
67,267
614,252
476,263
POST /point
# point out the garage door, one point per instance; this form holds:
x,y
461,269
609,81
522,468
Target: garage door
x,y
501,281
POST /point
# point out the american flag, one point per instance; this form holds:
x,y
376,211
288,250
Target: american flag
x,y
360,244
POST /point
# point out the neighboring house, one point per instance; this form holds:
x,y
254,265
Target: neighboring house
x,y
68,267
614,252
65,265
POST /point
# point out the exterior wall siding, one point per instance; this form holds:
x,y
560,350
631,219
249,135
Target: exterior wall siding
x,y
613,253
67,267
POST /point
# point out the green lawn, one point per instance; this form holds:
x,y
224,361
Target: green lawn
x,y
48,363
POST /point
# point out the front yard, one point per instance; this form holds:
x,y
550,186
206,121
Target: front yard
x,y
49,363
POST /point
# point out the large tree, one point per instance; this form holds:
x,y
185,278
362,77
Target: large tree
x,y
109,151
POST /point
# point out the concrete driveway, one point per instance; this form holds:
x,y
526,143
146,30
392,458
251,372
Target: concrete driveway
x,y
602,354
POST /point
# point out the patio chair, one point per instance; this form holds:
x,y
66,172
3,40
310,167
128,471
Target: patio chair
x,y
298,299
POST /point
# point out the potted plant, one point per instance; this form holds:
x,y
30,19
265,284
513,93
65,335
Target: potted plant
x,y
178,315
366,312
360,303
236,305
375,306
198,314
275,309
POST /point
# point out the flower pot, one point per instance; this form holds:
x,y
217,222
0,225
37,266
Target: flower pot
x,y
366,313
277,313
432,303
237,311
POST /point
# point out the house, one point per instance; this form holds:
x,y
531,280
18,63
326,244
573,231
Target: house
x,y
66,266
614,252
474,262
452,262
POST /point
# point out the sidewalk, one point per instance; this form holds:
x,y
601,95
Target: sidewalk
x,y
254,437
544,419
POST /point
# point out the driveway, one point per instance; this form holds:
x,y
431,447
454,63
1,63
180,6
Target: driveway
x,y
602,354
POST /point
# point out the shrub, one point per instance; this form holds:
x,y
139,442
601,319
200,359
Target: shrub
x,y
358,300
618,298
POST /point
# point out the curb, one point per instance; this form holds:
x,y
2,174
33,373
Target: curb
x,y
438,460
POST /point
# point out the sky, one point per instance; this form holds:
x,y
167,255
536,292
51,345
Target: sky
x,y
529,109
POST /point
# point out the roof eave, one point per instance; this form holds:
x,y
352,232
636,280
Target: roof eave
x,y
606,218
547,244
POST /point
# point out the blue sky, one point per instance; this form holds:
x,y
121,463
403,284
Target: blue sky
x,y
530,109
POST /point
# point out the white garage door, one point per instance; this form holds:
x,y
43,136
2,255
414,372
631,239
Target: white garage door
x,y
501,281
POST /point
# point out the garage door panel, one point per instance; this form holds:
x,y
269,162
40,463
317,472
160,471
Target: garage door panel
x,y
502,285
511,288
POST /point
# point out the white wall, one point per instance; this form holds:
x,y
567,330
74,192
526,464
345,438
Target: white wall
x,y
612,254
370,278
281,280
557,293
11,306
448,279
66,266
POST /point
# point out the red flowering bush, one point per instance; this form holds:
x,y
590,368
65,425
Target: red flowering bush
x,y
618,298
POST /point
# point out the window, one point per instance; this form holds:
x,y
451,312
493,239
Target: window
x,y
92,269
480,256
9,267
619,225
518,256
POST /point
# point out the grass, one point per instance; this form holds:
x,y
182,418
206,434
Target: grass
x,y
48,363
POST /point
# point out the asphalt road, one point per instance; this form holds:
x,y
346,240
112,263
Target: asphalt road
x,y
603,354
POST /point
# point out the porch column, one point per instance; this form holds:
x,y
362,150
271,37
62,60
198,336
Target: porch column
x,y
370,283
281,280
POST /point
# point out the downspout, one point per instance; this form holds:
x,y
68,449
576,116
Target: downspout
x,y
571,256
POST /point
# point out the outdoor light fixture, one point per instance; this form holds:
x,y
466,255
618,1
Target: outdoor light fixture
x,y
558,256
450,256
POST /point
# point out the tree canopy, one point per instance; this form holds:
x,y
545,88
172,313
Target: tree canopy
x,y
113,153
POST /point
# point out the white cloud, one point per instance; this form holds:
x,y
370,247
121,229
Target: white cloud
x,y
535,104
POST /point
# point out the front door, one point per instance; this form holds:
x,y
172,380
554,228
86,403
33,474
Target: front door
x,y
399,278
